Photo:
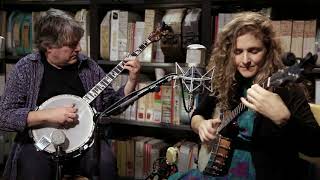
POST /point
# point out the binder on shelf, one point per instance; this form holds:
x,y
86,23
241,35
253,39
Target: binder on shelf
x,y
3,23
285,34
309,37
297,38
9,39
82,16
26,34
105,37
152,19
114,37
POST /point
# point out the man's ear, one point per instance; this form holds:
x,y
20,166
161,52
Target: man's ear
x,y
49,49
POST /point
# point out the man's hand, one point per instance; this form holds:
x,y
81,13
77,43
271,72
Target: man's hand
x,y
64,116
133,66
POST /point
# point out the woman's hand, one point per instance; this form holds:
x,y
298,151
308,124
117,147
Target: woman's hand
x,y
267,103
207,129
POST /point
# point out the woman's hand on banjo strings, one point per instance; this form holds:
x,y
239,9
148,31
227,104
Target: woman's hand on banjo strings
x,y
208,129
267,103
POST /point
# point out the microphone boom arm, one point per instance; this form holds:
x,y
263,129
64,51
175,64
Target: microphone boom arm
x,y
129,99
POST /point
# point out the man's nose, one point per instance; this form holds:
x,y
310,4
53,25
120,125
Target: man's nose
x,y
78,48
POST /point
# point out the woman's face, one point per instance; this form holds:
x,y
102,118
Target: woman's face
x,y
249,55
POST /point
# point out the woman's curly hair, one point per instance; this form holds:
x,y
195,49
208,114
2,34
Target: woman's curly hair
x,y
224,81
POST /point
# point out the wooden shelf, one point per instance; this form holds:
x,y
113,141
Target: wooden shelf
x,y
45,2
158,4
43,5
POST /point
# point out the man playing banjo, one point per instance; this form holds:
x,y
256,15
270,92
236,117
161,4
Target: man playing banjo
x,y
57,68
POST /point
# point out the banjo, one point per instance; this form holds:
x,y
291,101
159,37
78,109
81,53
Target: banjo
x,y
80,136
215,157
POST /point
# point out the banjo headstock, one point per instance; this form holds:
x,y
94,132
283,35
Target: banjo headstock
x,y
162,30
293,73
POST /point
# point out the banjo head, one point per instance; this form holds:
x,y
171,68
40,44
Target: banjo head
x,y
77,136
204,156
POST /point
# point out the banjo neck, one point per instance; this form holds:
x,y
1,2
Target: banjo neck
x,y
229,116
105,81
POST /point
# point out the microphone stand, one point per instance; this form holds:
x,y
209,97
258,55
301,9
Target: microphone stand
x,y
57,158
120,105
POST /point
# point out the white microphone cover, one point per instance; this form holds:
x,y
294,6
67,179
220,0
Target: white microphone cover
x,y
196,54
58,137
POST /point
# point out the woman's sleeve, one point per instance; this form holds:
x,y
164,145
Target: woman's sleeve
x,y
307,131
205,107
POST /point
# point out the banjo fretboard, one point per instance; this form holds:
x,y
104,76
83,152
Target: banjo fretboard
x,y
105,81
228,117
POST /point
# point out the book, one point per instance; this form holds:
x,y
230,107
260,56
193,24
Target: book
x,y
276,27
151,19
285,34
9,38
34,18
16,33
139,34
26,34
3,23
309,37
82,16
139,156
105,37
141,106
166,97
147,163
317,91
129,165
114,35
297,38
126,18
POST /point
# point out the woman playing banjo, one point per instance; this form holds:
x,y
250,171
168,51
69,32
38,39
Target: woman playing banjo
x,y
276,124
57,68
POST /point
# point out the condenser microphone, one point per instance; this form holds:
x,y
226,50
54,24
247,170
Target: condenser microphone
x,y
192,77
58,137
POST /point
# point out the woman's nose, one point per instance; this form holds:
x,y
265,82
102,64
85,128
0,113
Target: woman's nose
x,y
246,59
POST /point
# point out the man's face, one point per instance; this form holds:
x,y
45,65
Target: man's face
x,y
64,56
249,55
